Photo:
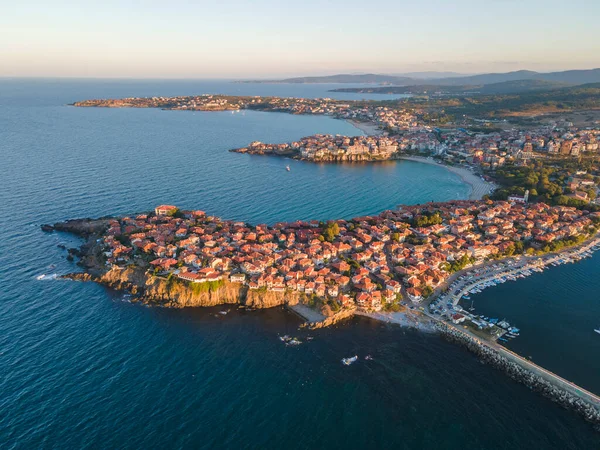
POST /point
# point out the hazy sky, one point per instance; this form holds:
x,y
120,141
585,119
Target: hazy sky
x,y
265,38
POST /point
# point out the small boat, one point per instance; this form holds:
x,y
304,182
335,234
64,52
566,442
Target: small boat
x,y
597,330
40,277
287,168
294,341
285,338
369,358
223,313
348,361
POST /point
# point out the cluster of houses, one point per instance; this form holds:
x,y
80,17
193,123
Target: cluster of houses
x,y
495,149
370,262
326,146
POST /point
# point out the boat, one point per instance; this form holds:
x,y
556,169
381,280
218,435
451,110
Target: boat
x,y
369,358
348,361
597,330
294,341
40,277
287,168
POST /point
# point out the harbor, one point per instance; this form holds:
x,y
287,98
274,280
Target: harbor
x,y
456,305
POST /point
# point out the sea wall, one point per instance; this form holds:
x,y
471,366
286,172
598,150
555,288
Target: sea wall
x,y
536,378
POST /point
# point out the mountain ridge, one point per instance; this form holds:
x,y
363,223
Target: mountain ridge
x,y
582,76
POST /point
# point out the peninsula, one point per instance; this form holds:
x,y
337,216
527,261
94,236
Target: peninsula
x,y
551,159
370,262
405,260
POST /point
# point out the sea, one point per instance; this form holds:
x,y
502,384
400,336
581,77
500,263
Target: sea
x,y
83,367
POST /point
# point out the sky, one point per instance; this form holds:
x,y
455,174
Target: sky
x,y
268,38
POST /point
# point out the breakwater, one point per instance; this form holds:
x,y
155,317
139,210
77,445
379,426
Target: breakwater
x,y
550,385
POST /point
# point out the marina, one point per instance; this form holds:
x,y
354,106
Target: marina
x,y
476,279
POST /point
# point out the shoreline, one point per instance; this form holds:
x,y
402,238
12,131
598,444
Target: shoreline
x,y
403,319
479,187
368,128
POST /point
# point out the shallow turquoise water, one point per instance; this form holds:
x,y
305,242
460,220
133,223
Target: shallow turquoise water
x,y
82,368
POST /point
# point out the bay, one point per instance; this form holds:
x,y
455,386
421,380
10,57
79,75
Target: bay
x,y
80,367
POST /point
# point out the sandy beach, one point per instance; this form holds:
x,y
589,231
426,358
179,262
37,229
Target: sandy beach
x,y
369,128
479,187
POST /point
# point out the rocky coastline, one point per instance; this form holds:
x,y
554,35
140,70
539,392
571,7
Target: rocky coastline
x,y
332,158
517,372
153,290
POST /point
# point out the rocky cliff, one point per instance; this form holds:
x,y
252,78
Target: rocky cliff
x,y
179,294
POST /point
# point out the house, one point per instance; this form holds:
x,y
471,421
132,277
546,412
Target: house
x,y
165,210
415,294
237,278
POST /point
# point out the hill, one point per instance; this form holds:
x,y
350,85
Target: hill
x,y
505,87
568,76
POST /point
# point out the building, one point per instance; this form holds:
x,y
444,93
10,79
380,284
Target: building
x,y
165,210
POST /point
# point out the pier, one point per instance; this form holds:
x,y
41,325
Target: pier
x,y
567,394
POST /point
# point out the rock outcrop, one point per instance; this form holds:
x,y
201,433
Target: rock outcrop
x,y
331,320
180,294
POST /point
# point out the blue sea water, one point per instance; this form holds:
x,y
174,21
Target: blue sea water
x,y
557,312
80,367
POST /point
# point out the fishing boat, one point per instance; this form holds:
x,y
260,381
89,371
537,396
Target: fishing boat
x,y
348,361
287,168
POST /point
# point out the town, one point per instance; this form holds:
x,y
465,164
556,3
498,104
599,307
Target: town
x,y
373,263
325,147
559,154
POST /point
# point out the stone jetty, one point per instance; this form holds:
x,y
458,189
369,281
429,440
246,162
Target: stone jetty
x,y
552,386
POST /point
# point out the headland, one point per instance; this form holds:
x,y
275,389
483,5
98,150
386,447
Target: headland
x,y
387,267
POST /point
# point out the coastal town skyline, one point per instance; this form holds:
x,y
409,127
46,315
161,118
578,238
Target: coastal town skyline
x,y
120,40
271,224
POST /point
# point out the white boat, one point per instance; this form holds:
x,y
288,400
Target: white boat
x,y
287,168
597,330
348,361
40,277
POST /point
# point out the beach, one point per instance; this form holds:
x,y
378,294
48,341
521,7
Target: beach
x,y
479,187
368,128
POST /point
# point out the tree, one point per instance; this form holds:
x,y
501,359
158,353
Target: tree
x,y
331,231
